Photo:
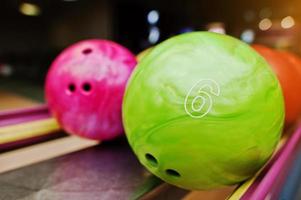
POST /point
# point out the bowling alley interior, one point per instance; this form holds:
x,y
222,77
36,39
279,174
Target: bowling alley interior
x,y
156,100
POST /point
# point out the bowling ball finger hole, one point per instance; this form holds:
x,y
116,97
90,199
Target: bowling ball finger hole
x,y
173,173
87,51
87,87
151,159
71,88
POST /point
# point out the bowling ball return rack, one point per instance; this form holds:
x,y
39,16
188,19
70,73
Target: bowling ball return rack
x,y
38,159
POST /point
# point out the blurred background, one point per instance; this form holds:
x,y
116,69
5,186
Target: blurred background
x,y
33,32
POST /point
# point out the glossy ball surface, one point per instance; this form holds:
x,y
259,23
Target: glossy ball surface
x,y
85,86
203,110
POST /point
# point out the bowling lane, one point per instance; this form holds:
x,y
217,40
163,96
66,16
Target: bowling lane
x,y
13,101
19,135
106,171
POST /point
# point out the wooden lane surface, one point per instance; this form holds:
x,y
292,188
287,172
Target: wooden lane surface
x,y
218,194
12,101
15,159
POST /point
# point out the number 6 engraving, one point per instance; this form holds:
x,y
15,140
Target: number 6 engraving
x,y
201,104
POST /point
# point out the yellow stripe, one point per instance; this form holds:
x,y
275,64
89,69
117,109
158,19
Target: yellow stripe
x,y
40,152
27,130
240,191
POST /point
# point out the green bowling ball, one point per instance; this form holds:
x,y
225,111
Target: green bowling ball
x,y
203,110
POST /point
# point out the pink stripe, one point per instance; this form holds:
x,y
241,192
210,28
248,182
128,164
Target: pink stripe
x,y
30,141
247,195
23,115
17,112
277,168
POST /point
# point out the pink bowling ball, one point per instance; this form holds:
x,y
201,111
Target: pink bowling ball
x,y
85,86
